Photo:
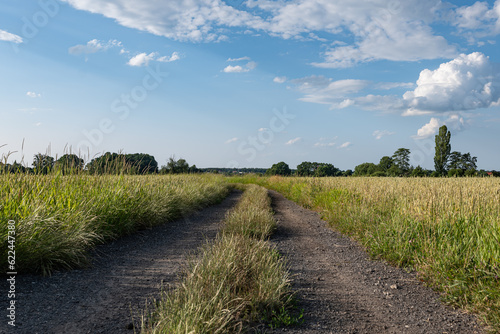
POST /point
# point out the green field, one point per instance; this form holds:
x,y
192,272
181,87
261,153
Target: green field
x,y
447,229
59,218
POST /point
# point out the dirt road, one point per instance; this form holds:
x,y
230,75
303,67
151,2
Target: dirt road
x,y
342,291
102,299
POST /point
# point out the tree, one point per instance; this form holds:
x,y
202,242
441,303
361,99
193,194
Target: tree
x,y
318,169
281,168
43,163
418,172
455,160
347,173
365,169
469,163
176,166
306,168
401,160
69,162
118,163
442,151
325,169
461,164
385,163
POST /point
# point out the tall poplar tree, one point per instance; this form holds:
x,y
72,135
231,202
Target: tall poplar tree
x,y
443,149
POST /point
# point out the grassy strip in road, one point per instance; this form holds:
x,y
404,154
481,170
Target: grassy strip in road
x,y
59,218
234,282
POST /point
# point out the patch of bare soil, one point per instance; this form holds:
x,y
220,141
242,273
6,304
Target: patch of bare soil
x,y
342,291
124,275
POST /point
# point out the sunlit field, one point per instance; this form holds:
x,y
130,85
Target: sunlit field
x,y
59,218
447,229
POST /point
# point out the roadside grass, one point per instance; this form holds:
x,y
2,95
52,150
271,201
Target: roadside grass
x,y
58,218
448,230
233,282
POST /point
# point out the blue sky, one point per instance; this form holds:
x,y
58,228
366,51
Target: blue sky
x,y
250,83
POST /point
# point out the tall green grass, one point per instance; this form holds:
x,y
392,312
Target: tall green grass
x,y
234,281
59,218
448,230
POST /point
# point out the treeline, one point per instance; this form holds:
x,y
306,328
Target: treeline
x,y
306,168
233,171
446,163
108,163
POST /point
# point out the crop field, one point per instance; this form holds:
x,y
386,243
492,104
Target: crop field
x,y
59,218
448,230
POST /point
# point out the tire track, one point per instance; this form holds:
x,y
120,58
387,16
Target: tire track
x,y
342,291
124,275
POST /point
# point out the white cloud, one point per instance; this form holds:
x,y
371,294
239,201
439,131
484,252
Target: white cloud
x,y
240,69
318,89
429,129
251,65
165,59
345,145
477,21
468,82
94,46
143,59
378,134
33,94
195,20
234,69
232,140
8,37
238,59
395,31
279,80
293,141
454,123
398,31
324,144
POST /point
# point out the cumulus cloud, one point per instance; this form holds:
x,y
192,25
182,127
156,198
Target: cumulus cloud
x,y
467,82
33,94
454,123
234,69
293,141
279,80
232,140
378,134
429,129
143,59
94,46
8,37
